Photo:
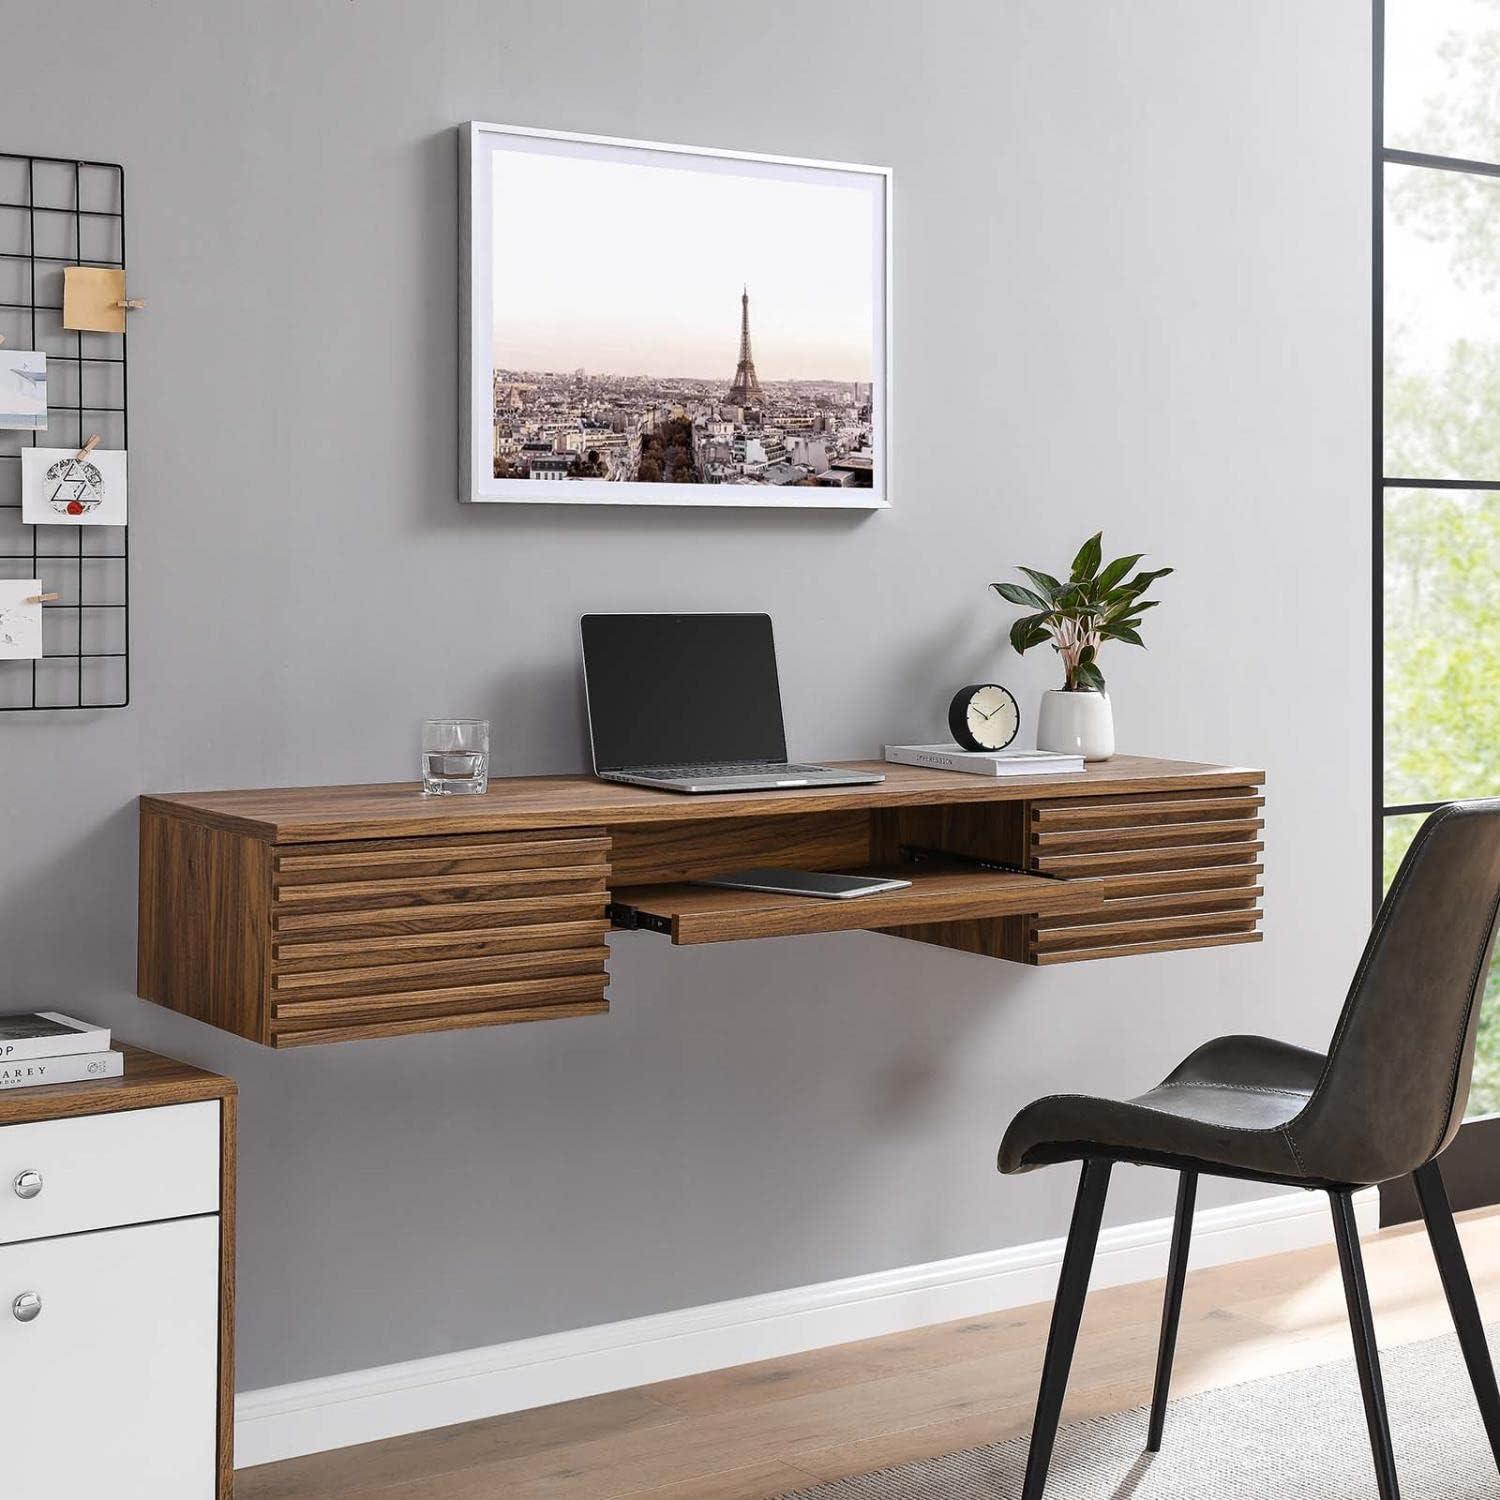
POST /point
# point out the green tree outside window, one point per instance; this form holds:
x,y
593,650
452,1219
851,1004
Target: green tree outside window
x,y
1442,419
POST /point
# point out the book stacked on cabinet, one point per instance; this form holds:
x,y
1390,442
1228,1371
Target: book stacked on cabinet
x,y
39,1047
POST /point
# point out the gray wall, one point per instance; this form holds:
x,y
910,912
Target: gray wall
x,y
1131,290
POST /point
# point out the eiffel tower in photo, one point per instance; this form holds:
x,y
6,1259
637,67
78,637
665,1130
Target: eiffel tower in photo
x,y
746,388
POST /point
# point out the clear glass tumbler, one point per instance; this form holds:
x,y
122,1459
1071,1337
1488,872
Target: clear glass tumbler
x,y
455,757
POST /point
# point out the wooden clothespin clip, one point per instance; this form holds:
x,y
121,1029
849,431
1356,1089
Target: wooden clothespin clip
x,y
87,448
44,598
131,304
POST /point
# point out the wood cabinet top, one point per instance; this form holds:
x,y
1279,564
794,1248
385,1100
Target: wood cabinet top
x,y
149,1080
399,810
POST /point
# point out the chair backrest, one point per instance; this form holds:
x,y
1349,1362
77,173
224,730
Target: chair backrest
x,y
1396,1084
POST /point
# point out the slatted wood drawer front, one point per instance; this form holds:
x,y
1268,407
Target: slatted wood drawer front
x,y
1171,870
380,937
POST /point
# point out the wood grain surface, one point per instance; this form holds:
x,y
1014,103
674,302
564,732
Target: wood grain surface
x,y
706,914
314,914
149,1081
312,814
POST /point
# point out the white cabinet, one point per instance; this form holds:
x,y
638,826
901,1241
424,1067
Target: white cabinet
x,y
111,1388
116,1286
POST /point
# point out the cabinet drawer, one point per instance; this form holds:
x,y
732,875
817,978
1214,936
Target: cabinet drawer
x,y
381,937
112,1389
300,943
98,1171
1169,870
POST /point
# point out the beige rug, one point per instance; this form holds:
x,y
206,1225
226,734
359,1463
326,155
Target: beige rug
x,y
1286,1437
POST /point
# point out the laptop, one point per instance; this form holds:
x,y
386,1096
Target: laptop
x,y
691,703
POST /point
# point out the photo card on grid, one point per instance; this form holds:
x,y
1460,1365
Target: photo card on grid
x,y
60,489
20,619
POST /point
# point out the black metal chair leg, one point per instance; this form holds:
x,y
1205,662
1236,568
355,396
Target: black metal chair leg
x,y
1366,1356
1448,1252
1067,1312
1171,1309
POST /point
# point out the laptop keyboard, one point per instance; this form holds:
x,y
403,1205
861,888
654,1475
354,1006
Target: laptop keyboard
x,y
730,768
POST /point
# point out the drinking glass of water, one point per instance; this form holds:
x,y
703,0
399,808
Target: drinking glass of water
x,y
455,756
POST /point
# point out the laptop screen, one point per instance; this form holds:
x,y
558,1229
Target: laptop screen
x,y
681,690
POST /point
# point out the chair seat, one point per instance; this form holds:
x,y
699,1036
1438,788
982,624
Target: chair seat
x,y
1221,1111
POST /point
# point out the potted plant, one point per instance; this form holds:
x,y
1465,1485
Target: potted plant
x,y
1095,605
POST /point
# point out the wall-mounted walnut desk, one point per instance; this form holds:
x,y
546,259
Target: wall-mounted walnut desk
x,y
318,914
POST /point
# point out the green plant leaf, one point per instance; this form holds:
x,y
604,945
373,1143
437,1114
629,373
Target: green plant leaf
x,y
1044,581
1014,593
1143,581
1128,612
1089,676
1027,632
1086,564
1117,570
1127,634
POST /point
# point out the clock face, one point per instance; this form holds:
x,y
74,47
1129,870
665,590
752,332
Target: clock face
x,y
984,717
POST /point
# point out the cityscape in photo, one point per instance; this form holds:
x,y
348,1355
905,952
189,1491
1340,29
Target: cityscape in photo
x,y
628,347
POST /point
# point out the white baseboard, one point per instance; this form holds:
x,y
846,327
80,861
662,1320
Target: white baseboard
x,y
363,1405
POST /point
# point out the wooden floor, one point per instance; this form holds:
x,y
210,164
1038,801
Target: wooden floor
x,y
761,1429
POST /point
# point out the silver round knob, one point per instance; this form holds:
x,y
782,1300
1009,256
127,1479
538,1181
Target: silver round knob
x,y
27,1184
27,1307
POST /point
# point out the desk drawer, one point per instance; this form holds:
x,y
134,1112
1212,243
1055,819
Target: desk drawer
x,y
1169,870
381,937
99,1171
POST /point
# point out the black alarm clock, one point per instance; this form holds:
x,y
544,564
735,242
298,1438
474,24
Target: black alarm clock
x,y
983,716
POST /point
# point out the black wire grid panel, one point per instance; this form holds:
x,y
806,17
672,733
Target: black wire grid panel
x,y
56,212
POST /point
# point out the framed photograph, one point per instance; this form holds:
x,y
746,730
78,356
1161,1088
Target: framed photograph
x,y
644,324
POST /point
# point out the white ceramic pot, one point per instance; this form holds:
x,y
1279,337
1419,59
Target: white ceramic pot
x,y
1076,724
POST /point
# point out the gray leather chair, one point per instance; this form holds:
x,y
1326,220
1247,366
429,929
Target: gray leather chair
x,y
1386,1101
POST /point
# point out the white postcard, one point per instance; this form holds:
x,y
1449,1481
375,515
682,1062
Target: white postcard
x,y
60,489
23,389
20,619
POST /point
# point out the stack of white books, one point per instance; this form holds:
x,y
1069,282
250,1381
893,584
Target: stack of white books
x,y
952,757
39,1047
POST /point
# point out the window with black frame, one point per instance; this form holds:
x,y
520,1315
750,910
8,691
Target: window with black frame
x,y
1437,425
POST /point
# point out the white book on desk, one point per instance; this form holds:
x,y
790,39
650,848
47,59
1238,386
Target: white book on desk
x,y
25,1035
82,1067
984,762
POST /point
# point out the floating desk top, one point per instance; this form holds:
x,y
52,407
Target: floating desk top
x,y
315,914
399,810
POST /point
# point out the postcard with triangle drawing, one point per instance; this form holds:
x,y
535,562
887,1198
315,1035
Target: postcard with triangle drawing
x,y
58,488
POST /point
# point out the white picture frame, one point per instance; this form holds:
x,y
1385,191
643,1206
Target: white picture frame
x,y
738,452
